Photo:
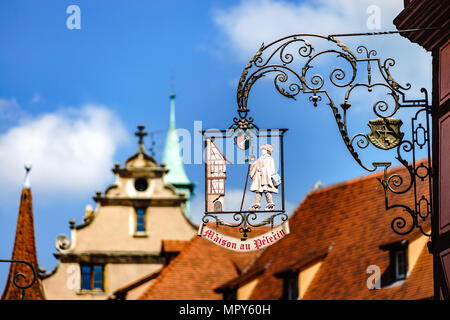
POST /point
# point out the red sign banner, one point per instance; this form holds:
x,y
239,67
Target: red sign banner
x,y
251,244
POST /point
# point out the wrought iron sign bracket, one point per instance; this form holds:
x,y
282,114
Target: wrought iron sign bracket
x,y
291,60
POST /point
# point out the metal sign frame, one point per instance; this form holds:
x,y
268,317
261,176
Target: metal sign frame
x,y
245,220
292,75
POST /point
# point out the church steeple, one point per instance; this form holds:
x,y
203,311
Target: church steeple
x,y
173,160
24,249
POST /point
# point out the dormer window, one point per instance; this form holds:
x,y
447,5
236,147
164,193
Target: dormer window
x,y
230,294
290,287
298,276
400,263
397,269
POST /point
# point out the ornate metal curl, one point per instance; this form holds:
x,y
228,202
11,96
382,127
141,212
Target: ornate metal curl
x,y
23,276
63,243
292,76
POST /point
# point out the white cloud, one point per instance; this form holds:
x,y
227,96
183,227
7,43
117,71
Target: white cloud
x,y
250,23
244,27
70,150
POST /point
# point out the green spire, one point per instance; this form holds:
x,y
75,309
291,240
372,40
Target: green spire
x,y
172,157
174,162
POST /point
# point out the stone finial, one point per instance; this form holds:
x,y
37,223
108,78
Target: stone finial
x,y
141,134
88,212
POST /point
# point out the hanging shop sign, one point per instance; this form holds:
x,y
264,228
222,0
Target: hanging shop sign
x,y
251,161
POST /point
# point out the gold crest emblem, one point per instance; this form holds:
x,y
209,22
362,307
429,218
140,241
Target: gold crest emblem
x,y
385,133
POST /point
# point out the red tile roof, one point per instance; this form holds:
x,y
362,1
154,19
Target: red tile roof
x,y
24,249
167,247
172,246
348,220
200,267
121,293
351,216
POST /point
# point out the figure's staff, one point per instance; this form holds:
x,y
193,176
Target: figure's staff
x,y
250,158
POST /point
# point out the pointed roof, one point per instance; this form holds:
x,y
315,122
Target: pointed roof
x,y
172,157
216,150
24,249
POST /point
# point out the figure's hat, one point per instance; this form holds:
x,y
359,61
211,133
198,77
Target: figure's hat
x,y
266,146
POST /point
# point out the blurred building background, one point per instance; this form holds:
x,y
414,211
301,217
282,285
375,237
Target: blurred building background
x,y
139,242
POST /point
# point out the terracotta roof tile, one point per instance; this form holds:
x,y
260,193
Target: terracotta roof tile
x,y
172,245
351,215
200,267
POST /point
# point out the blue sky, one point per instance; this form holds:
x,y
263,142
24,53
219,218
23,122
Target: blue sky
x,y
70,100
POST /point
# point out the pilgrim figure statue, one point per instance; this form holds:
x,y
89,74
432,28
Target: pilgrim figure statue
x,y
261,172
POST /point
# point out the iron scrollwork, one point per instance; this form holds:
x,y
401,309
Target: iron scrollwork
x,y
19,275
291,59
